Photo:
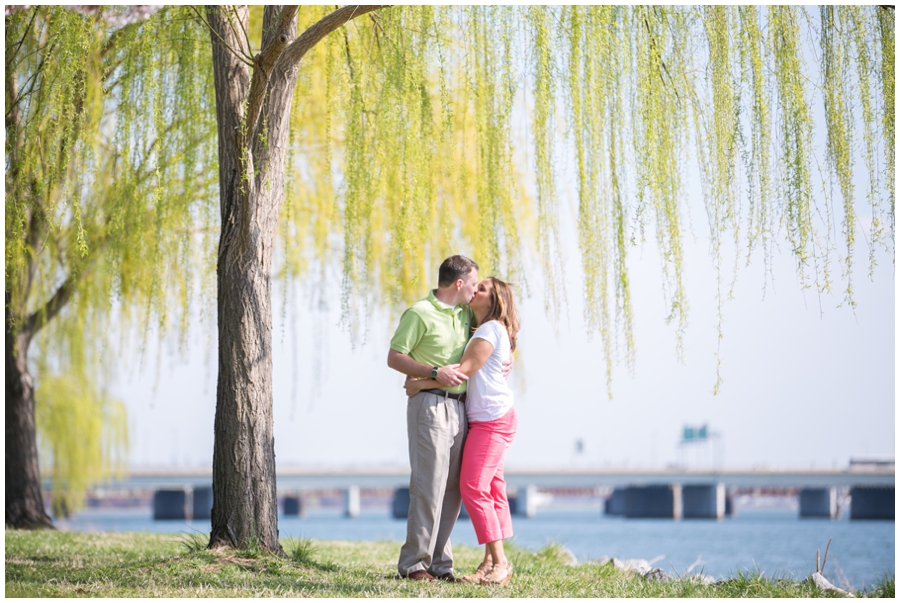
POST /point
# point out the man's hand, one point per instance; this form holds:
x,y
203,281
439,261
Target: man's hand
x,y
448,376
507,367
413,386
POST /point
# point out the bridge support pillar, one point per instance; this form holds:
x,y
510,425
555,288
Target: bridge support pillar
x,y
351,499
656,501
170,504
203,502
400,505
527,500
818,502
292,505
513,500
872,503
703,501
615,504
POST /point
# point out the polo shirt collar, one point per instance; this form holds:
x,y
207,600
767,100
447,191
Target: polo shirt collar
x,y
441,306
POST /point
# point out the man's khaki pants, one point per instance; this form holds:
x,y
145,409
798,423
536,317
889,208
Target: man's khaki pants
x,y
436,427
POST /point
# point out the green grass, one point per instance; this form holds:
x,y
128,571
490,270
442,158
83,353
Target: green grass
x,y
63,564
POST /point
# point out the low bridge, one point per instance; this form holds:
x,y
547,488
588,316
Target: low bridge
x,y
301,479
667,493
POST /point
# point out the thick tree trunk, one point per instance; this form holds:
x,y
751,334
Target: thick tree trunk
x,y
24,500
245,507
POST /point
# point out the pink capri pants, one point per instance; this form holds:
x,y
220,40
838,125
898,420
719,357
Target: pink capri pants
x,y
481,482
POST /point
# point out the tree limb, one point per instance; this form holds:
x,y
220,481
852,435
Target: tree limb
x,y
240,56
246,36
37,230
13,121
11,55
40,317
349,59
276,21
247,52
263,64
299,47
658,54
32,81
43,315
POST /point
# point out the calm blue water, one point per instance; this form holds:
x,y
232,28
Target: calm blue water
x,y
777,543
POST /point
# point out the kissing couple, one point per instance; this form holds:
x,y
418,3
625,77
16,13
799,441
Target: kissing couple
x,y
455,347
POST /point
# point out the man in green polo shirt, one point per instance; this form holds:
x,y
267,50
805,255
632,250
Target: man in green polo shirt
x,y
433,333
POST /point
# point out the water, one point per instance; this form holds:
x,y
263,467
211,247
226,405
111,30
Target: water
x,y
775,542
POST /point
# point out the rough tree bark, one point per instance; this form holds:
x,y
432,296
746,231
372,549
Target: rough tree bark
x,y
24,500
253,103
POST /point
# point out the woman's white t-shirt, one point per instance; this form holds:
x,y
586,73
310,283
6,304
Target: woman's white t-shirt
x,y
488,396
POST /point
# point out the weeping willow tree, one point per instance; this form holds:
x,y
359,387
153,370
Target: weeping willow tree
x,y
107,184
374,174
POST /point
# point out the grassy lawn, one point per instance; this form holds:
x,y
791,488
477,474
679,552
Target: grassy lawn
x,y
66,564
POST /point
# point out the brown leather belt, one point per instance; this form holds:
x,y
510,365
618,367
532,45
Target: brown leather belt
x,y
445,394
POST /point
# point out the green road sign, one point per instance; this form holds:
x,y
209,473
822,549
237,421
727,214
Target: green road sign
x,y
692,434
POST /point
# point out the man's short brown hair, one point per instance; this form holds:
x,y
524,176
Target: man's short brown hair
x,y
454,268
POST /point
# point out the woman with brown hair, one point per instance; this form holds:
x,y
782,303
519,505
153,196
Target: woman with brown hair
x,y
492,425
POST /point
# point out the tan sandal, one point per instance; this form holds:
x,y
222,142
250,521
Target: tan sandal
x,y
478,576
499,574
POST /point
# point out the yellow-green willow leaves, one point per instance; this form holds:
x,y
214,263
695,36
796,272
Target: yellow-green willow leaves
x,y
886,24
540,20
659,138
722,197
761,213
401,153
83,437
718,22
838,119
795,133
494,91
860,31
595,98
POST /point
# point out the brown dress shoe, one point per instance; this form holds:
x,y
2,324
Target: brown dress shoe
x,y
421,575
448,577
478,576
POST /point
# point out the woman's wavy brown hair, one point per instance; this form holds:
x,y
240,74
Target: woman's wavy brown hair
x,y
503,309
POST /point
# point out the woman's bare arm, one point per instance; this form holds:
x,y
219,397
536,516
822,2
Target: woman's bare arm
x,y
476,355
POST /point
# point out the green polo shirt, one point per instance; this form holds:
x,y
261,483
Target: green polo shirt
x,y
433,334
